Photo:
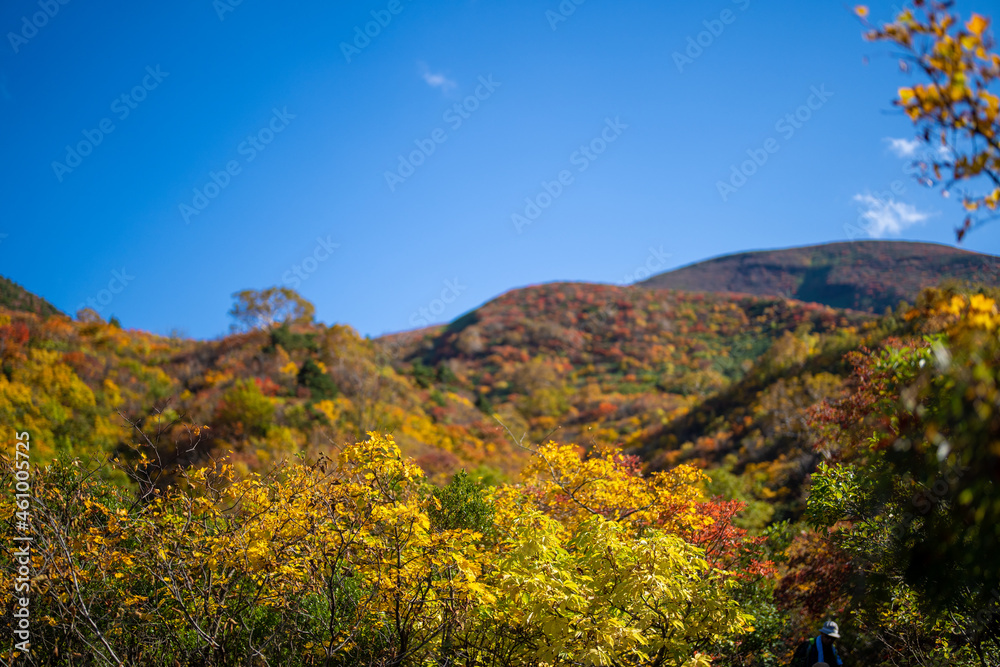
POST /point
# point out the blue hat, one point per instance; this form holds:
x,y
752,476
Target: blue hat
x,y
830,629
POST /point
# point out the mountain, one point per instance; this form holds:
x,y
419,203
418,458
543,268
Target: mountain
x,y
719,380
15,297
726,382
861,275
574,362
722,380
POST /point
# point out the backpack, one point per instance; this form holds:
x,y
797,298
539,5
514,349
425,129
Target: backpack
x,y
801,654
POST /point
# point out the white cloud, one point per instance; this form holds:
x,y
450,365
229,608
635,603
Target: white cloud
x,y
904,147
910,148
437,79
883,217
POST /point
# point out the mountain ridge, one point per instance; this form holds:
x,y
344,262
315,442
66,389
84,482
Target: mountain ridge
x,y
720,380
868,275
15,297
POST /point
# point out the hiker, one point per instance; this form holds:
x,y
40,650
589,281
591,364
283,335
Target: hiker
x,y
820,650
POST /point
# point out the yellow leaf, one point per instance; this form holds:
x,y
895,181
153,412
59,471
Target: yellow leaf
x,y
977,24
861,11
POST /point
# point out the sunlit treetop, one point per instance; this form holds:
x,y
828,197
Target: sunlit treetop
x,y
956,108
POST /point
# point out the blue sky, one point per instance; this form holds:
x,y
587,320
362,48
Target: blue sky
x,y
247,140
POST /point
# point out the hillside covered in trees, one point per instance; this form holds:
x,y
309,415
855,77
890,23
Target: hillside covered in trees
x,y
861,275
493,455
572,362
15,297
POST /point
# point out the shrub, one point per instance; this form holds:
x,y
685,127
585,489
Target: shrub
x,y
291,341
246,409
464,506
315,379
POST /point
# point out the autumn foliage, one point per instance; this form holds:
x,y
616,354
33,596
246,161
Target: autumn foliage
x,y
956,108
911,495
358,560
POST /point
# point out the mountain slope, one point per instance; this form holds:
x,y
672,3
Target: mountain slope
x,y
716,379
15,297
575,362
655,372
861,275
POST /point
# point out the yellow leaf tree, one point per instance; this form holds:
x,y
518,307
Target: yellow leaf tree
x,y
956,108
